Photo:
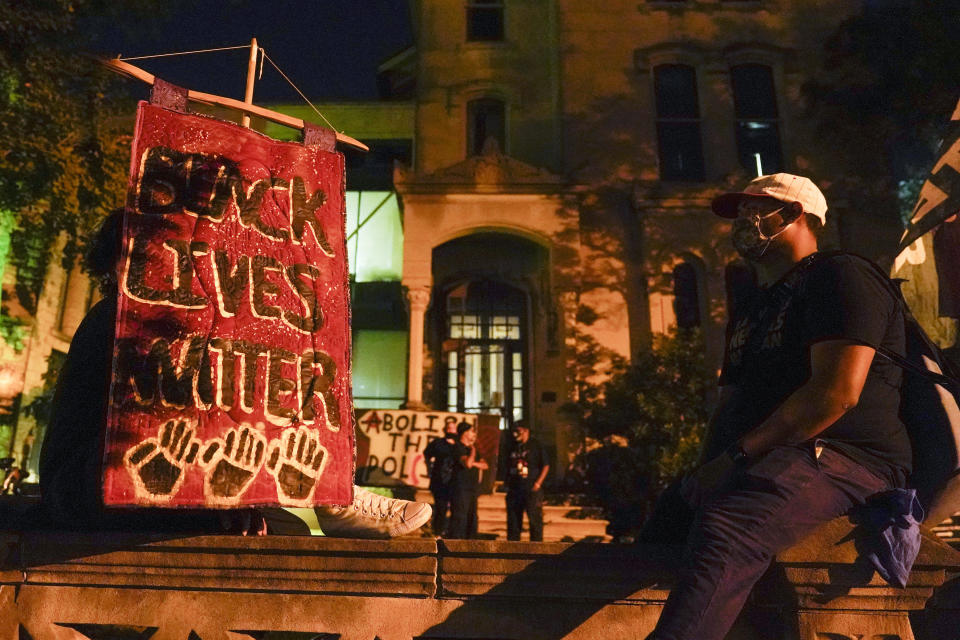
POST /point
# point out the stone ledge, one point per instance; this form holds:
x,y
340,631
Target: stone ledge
x,y
581,571
264,564
215,586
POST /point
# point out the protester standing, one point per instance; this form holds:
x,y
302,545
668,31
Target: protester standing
x,y
466,484
527,468
441,459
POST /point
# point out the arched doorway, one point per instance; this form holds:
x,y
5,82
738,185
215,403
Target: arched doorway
x,y
488,324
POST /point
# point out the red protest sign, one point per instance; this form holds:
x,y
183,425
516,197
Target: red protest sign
x,y
231,377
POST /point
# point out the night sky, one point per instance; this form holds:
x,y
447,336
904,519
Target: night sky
x,y
329,48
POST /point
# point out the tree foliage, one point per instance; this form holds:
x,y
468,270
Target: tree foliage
x,y
64,144
889,83
653,415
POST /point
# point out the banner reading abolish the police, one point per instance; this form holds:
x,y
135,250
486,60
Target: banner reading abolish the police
x,y
231,380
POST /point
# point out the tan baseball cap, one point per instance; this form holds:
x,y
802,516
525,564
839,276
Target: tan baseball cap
x,y
785,187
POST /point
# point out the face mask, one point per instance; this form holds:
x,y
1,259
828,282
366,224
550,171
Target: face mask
x,y
749,241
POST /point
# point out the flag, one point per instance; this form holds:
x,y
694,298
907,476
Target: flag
x,y
940,195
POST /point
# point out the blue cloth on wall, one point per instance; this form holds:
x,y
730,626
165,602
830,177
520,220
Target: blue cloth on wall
x,y
892,521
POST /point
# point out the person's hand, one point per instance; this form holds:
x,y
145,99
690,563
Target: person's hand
x,y
536,486
480,464
707,480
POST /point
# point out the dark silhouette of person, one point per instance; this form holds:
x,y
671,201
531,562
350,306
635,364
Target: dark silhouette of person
x,y
466,484
441,458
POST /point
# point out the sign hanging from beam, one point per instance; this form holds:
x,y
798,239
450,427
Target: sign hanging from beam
x,y
231,370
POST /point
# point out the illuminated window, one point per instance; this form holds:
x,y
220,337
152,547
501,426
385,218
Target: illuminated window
x,y
374,230
483,350
678,122
484,20
374,236
379,369
485,119
755,103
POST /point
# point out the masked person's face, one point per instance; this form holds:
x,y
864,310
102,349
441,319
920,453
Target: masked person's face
x,y
758,223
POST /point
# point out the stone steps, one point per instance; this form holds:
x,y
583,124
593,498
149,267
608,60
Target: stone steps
x,y
557,526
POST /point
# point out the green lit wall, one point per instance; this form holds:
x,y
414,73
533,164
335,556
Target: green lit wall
x,y
374,238
379,369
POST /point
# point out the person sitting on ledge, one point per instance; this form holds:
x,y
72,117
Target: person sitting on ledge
x,y
72,450
807,426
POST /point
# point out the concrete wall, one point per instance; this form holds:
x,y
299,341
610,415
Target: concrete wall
x,y
521,70
58,586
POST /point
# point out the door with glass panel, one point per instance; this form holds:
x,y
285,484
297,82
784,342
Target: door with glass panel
x,y
483,350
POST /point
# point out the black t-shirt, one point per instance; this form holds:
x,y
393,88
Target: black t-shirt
x,y
465,480
824,297
524,463
441,453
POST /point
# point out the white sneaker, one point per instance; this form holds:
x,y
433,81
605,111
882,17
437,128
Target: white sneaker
x,y
373,516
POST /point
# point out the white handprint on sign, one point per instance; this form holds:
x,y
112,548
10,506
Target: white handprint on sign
x,y
296,461
157,465
231,464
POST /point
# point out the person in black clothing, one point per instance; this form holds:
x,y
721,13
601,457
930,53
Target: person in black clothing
x,y
527,467
466,484
807,425
72,450
440,457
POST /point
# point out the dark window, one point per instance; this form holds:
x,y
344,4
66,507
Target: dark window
x,y
485,119
678,122
686,296
740,282
758,131
484,20
373,170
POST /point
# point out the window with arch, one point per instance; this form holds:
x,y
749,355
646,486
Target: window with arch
x,y
758,129
486,118
740,282
678,122
484,20
686,296
483,351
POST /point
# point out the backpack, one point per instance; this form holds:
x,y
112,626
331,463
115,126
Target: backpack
x,y
444,462
446,466
930,410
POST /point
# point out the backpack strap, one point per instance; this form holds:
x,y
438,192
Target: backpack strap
x,y
948,382
937,378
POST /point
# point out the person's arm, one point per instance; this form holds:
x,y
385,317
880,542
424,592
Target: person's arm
x,y
540,478
712,444
467,460
838,372
429,454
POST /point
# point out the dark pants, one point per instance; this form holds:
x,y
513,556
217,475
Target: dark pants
x,y
773,504
463,514
442,498
524,500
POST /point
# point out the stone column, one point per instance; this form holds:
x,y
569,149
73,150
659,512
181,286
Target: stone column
x,y
419,298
